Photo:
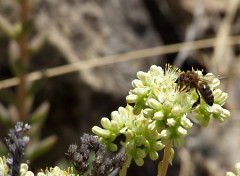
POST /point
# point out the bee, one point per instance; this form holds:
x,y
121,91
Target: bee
x,y
189,80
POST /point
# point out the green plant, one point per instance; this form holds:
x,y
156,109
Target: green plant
x,y
18,106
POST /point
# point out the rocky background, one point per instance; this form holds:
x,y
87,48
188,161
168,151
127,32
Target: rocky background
x,y
82,31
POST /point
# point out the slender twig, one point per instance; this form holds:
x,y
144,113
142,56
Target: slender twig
x,y
166,158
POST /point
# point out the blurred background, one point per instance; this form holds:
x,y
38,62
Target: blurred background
x,y
64,64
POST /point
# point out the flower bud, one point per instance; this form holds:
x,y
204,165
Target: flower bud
x,y
140,91
148,112
181,131
144,77
185,122
165,134
171,122
112,147
101,132
153,103
129,135
131,98
152,126
115,126
140,140
156,71
105,122
24,170
139,161
217,93
223,98
159,145
226,113
217,109
137,83
167,105
158,115
140,153
115,116
153,155
176,110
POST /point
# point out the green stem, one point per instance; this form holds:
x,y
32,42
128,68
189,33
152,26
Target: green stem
x,y
123,171
166,159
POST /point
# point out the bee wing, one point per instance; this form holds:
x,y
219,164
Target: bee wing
x,y
209,77
221,77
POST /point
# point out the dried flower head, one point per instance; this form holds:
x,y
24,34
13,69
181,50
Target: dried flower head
x,y
16,144
91,158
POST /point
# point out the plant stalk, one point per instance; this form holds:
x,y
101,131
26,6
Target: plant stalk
x,y
23,46
166,159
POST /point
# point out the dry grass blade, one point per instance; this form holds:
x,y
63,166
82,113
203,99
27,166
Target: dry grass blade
x,y
129,56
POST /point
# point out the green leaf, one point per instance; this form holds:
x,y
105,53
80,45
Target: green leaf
x,y
171,156
39,148
4,115
36,86
37,42
3,148
10,30
14,114
37,118
16,64
40,114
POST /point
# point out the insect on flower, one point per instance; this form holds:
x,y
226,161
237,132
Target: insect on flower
x,y
191,79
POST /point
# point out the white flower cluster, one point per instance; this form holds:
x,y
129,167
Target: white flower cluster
x,y
161,112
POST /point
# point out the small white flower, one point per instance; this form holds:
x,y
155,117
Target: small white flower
x,y
171,122
137,83
165,133
131,98
185,122
153,103
144,77
158,115
181,131
105,122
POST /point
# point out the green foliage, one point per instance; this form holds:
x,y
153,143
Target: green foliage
x,y
11,105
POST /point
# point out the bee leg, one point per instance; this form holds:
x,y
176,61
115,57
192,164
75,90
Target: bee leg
x,y
186,89
198,100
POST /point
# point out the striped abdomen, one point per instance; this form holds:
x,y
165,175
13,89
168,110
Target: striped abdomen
x,y
206,92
